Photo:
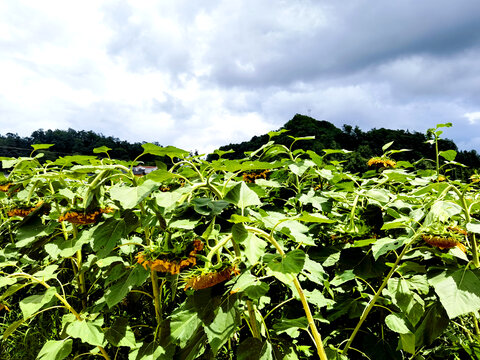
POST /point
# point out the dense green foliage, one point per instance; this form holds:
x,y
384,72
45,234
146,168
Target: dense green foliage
x,y
67,142
363,145
279,255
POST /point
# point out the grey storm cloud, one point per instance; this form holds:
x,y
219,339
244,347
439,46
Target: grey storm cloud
x,y
203,74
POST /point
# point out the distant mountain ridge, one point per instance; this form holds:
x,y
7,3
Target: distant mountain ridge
x,y
363,145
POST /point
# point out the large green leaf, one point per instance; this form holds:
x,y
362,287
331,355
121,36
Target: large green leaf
x,y
459,291
207,206
253,248
242,196
291,326
55,350
397,323
129,197
120,334
384,245
184,323
30,305
284,267
222,327
170,151
117,292
106,236
87,331
254,349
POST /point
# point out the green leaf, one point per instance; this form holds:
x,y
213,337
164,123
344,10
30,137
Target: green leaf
x,y
41,146
407,342
107,235
442,211
206,206
31,231
30,305
397,323
342,278
386,146
86,331
474,226
254,248
222,327
459,291
380,195
129,197
251,285
101,149
448,155
160,175
432,325
283,268
55,350
254,349
384,245
239,232
120,334
11,328
117,292
170,151
314,218
291,326
242,196
184,323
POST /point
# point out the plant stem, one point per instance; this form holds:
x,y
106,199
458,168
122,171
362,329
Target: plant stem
x,y
253,320
80,273
311,322
372,302
156,295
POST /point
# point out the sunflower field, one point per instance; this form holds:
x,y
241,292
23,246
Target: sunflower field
x,y
280,255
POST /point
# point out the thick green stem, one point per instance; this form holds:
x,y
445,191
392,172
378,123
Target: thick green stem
x,y
81,275
372,302
156,296
311,322
253,320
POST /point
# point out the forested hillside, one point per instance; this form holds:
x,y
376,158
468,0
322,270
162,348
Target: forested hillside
x,y
67,142
363,145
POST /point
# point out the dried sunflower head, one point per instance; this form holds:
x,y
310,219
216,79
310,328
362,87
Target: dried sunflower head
x,y
170,264
381,162
443,242
84,218
203,281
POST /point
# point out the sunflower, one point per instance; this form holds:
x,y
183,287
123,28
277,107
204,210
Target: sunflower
x,y
381,162
250,177
210,279
443,242
84,218
24,211
172,266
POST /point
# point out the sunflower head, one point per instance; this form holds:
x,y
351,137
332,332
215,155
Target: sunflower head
x,y
381,162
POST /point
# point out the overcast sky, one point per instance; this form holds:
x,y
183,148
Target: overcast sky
x,y
201,74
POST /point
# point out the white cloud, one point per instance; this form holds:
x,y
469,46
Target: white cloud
x,y
200,75
472,117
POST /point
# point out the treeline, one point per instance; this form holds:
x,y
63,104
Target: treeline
x,y
363,145
67,142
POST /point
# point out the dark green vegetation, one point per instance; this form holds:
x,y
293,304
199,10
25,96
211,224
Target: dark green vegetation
x,y
363,145
286,254
67,142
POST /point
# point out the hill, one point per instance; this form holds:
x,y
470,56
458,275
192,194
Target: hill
x,y
363,145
